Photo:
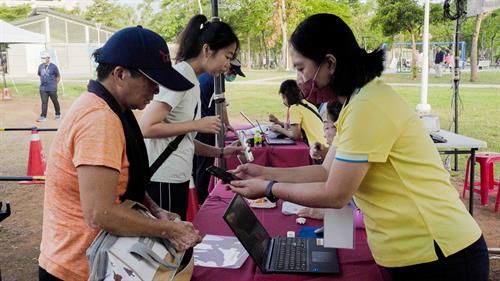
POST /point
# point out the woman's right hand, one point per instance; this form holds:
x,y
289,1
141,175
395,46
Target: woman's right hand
x,y
315,150
249,170
208,125
273,119
183,235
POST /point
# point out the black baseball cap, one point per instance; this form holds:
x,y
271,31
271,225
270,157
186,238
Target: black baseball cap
x,y
142,49
235,66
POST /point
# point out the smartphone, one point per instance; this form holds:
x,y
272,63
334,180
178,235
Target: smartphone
x,y
225,176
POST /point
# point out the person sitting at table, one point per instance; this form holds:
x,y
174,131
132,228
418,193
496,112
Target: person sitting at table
x,y
204,46
417,227
318,151
302,118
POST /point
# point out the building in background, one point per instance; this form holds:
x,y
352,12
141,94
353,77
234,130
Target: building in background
x,y
67,4
69,39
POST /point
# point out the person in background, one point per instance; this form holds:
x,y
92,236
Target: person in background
x,y
416,224
438,60
201,163
49,78
98,159
204,47
318,151
301,116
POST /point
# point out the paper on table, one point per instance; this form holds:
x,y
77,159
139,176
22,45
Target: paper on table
x,y
339,227
220,251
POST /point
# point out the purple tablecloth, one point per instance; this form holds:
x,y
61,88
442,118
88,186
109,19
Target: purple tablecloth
x,y
357,264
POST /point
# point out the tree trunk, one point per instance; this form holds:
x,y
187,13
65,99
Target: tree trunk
x,y
284,46
473,47
266,52
249,54
413,56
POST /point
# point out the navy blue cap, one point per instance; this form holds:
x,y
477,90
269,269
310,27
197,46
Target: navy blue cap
x,y
142,49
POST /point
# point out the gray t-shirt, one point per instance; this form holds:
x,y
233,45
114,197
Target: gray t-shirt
x,y
178,166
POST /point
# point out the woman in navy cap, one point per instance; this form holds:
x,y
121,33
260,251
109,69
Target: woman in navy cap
x,y
204,46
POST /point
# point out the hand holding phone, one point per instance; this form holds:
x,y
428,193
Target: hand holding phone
x,y
219,173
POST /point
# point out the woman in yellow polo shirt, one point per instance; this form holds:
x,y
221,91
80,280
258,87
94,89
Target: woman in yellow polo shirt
x,y
417,226
302,118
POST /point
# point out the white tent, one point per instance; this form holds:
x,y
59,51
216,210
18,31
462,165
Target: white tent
x,y
10,34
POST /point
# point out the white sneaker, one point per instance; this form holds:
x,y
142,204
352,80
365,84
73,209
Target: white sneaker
x,y
58,116
41,119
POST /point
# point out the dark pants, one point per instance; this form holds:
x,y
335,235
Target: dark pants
x,y
45,95
172,197
43,275
200,164
469,264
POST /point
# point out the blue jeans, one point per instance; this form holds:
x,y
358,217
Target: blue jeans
x,y
45,95
469,264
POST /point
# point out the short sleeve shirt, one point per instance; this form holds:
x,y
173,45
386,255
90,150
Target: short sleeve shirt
x,y
406,196
48,77
90,134
308,121
178,166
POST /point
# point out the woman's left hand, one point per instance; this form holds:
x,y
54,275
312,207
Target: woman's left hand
x,y
276,128
251,188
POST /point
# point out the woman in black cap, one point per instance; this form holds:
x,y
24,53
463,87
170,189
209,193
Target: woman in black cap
x,y
416,224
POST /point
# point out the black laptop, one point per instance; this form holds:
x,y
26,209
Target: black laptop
x,y
278,254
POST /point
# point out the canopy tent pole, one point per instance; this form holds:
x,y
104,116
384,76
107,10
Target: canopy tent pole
x,y
458,16
219,98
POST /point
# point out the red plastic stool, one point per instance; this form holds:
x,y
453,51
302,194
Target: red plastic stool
x,y
486,161
497,203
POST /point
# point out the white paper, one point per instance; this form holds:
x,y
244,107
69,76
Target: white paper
x,y
219,251
339,228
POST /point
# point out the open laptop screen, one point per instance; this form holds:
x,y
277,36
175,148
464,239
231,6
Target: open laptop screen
x,y
248,229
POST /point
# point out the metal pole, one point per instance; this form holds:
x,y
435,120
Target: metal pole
x,y
219,98
456,82
423,106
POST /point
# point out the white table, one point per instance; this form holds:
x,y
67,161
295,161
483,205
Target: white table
x,y
459,144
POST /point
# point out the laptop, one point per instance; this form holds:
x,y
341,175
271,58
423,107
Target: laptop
x,y
273,138
278,254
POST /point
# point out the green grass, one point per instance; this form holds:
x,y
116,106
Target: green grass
x,y
479,109
484,77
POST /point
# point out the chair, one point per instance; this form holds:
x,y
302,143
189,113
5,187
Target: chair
x,y
486,161
497,203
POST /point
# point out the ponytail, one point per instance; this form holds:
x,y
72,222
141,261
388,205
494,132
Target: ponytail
x,y
373,64
200,31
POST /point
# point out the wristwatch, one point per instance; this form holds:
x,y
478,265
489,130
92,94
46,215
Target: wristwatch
x,y
269,192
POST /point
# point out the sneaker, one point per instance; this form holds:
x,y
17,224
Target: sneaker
x,y
58,116
41,119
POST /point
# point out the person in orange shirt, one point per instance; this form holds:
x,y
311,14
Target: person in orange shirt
x,y
98,158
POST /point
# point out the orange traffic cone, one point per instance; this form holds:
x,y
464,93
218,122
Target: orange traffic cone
x,y
6,94
193,205
36,161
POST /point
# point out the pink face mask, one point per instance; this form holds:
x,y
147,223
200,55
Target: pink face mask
x,y
313,94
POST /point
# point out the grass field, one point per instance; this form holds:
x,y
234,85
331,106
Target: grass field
x,y
256,95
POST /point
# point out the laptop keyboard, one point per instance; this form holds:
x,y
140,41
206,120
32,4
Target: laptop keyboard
x,y
291,253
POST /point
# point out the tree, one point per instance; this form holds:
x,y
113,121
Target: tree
x,y
14,13
110,14
395,16
473,47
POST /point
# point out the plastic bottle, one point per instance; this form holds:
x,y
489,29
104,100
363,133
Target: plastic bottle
x,y
257,139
